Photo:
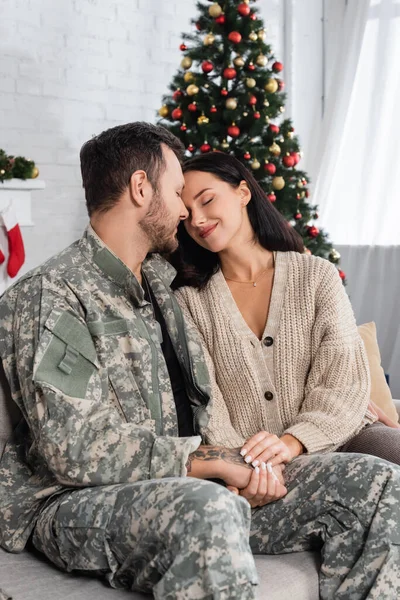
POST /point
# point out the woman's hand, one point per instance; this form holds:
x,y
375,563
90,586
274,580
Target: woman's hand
x,y
383,418
264,486
267,447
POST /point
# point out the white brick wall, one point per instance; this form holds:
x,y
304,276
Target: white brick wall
x,y
71,68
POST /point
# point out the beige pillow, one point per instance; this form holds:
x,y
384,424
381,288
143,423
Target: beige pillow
x,y
380,392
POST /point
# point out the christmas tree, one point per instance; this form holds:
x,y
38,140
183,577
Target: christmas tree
x,y
228,96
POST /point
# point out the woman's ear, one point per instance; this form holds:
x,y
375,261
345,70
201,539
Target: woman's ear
x,y
245,193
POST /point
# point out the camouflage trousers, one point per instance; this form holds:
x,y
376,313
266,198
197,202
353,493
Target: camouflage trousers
x,y
193,540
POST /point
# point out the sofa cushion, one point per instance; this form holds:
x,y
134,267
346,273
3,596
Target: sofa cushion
x,y
28,576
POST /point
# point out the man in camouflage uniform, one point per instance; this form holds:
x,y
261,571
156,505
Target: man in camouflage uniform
x,y
114,392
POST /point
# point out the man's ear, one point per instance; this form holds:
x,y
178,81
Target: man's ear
x,y
245,193
137,187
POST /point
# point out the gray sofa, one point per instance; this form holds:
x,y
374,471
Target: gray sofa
x,y
28,576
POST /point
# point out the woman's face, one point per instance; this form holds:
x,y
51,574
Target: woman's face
x,y
217,211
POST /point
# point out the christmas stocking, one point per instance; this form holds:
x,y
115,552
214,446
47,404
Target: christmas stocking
x,y
2,257
15,244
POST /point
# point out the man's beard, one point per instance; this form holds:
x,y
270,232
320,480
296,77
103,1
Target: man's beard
x,y
158,227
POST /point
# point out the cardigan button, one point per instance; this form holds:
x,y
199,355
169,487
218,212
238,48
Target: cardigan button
x,y
268,396
268,341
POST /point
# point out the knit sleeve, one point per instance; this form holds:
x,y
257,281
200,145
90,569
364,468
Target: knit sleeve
x,y
338,384
219,430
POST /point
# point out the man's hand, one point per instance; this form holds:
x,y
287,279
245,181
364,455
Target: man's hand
x,y
264,486
267,447
209,462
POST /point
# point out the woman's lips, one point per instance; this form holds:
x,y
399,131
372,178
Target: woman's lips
x,y
206,232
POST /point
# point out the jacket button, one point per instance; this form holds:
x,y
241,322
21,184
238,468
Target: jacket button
x,y
268,341
268,396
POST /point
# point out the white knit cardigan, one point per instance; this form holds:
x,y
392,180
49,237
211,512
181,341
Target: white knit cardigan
x,y
309,374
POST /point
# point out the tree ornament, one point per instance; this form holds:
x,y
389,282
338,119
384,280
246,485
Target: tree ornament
x,y
177,94
334,256
307,251
274,129
270,168
290,135
35,173
233,131
190,147
245,114
224,92
275,149
235,37
183,47
261,60
231,103
225,145
244,9
288,161
186,62
220,20
192,107
271,197
205,148
239,62
177,114
253,16
183,127
255,164
313,231
278,183
266,103
342,275
229,73
207,66
271,86
282,109
192,90
253,36
281,85
203,120
261,34
296,157
250,82
163,111
213,109
209,39
257,115
251,66
188,76
247,156
215,10
298,216
277,67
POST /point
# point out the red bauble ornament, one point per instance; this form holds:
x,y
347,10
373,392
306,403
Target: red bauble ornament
x,y
307,193
244,9
251,67
183,47
235,37
257,115
252,100
253,16
220,20
296,157
316,216
205,148
281,85
247,155
342,275
192,107
198,26
177,114
271,197
229,73
224,92
183,127
213,109
274,129
298,216
207,66
190,147
288,161
270,168
177,94
233,131
313,231
277,67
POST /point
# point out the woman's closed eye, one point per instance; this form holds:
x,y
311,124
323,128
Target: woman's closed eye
x,y
207,202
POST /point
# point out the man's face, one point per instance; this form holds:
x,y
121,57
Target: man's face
x,y
166,208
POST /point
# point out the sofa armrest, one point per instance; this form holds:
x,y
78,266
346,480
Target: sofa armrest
x,y
397,405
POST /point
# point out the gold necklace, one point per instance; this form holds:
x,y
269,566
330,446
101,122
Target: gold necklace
x,y
253,282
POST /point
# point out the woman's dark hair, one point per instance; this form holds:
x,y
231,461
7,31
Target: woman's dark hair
x,y
196,265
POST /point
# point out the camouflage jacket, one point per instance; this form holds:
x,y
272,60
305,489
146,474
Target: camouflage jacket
x,y
81,351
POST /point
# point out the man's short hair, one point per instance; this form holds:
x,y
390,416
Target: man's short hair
x,y
109,159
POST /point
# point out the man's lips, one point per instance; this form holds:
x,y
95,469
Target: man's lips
x,y
207,231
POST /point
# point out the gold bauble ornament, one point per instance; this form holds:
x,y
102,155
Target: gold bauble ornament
x,y
231,103
186,62
206,85
278,183
290,135
209,39
239,62
255,164
253,36
267,119
266,103
203,120
163,111
192,89
224,145
188,76
275,149
303,194
35,173
271,86
282,109
261,60
2,172
334,255
215,10
250,82
300,184
261,34
245,114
